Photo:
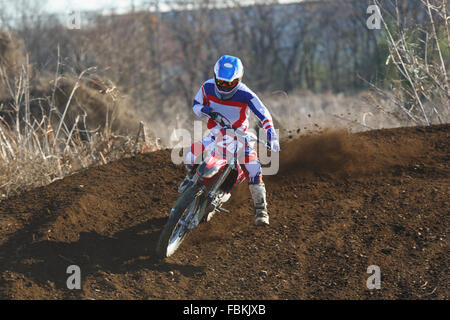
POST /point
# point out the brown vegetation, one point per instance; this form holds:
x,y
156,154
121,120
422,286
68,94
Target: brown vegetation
x,y
51,126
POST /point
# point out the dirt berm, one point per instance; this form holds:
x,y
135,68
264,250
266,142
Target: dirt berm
x,y
340,203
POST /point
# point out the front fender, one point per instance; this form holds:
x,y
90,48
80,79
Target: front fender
x,y
210,167
204,172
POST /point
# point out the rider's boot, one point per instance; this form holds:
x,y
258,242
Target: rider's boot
x,y
258,191
190,173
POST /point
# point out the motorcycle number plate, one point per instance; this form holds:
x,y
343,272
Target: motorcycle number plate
x,y
227,144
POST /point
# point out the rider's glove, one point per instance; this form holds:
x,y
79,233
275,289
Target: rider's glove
x,y
206,110
275,146
273,139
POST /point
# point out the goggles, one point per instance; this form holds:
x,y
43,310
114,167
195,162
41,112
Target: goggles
x,y
226,85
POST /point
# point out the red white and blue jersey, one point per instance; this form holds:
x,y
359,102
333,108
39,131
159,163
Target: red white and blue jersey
x,y
237,109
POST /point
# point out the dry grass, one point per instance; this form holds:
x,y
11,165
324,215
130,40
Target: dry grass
x,y
54,125
37,148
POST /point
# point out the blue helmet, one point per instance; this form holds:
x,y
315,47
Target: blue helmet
x,y
228,73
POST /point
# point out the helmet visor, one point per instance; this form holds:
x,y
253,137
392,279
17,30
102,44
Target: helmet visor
x,y
226,86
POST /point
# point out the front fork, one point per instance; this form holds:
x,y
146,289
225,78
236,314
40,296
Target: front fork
x,y
209,198
213,191
219,182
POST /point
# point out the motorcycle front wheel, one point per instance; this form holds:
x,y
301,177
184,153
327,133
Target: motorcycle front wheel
x,y
175,230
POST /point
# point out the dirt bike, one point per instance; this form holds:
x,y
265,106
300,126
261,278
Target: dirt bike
x,y
209,188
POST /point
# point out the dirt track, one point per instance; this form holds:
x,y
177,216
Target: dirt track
x,y
339,204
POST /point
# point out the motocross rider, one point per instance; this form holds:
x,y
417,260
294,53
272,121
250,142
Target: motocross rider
x,y
229,96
